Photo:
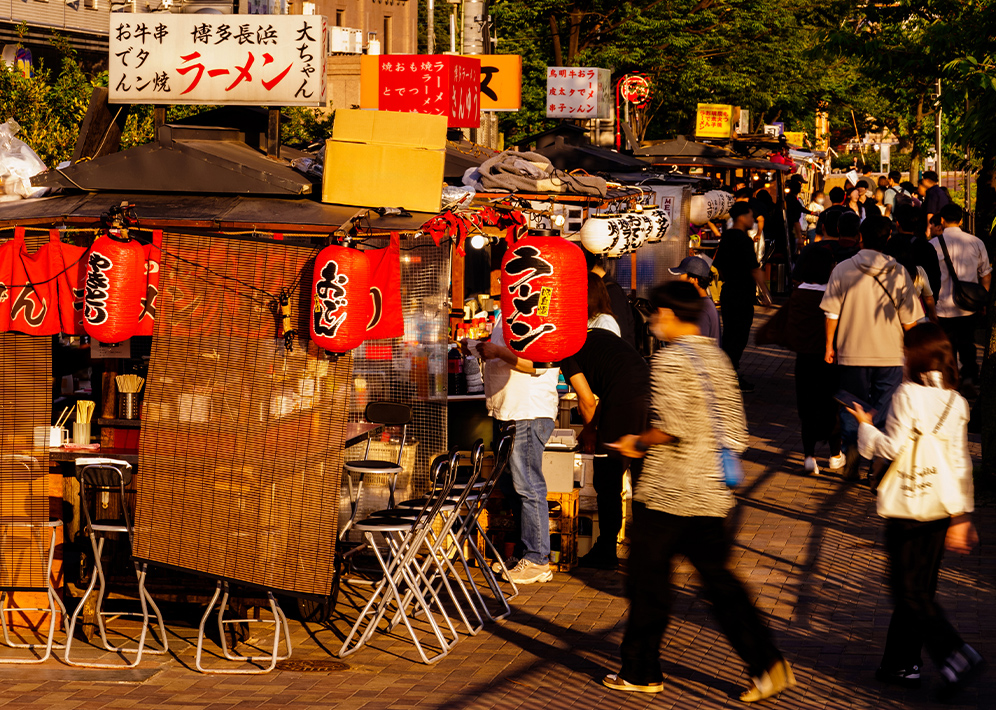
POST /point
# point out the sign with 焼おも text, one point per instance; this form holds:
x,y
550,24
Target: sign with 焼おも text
x,y
713,121
260,60
578,92
442,85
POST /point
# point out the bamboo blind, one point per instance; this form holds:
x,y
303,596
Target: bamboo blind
x,y
241,452
25,416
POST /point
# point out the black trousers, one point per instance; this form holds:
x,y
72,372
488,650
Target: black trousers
x,y
961,333
915,550
608,483
656,538
737,309
816,383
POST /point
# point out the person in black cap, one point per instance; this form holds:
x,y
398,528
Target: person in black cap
x,y
698,272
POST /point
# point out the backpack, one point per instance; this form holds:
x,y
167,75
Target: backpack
x,y
902,198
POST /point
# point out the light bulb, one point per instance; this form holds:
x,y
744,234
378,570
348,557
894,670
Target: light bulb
x,y
478,241
558,220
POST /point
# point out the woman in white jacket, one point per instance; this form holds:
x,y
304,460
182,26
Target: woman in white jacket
x,y
926,403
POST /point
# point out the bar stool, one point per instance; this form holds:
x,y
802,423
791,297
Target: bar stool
x,y
7,572
388,414
105,476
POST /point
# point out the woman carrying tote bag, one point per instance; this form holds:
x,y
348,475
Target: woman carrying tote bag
x,y
926,497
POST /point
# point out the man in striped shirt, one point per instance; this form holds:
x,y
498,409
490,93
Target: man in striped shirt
x,y
681,502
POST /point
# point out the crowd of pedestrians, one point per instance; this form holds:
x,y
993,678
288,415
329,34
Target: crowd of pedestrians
x,y
881,319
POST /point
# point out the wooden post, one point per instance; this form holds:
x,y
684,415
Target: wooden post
x,y
158,119
273,134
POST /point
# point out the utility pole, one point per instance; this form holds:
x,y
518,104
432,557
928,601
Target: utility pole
x,y
473,43
430,30
937,134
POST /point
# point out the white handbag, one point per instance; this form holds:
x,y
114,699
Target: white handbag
x,y
919,479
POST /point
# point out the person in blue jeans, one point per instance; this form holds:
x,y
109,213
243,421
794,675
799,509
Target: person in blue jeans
x,y
523,398
869,304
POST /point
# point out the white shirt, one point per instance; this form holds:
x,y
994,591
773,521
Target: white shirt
x,y
605,322
513,395
970,261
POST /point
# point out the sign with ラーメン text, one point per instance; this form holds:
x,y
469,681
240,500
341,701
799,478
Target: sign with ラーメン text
x,y
258,60
578,92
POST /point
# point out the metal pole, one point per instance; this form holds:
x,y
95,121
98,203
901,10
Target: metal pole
x,y
453,32
430,30
937,135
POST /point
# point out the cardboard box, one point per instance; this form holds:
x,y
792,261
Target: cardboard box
x,y
383,159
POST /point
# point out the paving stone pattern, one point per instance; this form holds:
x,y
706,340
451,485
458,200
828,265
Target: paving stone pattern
x,y
810,549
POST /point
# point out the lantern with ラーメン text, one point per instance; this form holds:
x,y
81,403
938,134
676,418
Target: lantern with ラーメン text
x,y
114,287
544,297
340,299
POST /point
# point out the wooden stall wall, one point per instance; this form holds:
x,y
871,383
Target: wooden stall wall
x,y
241,453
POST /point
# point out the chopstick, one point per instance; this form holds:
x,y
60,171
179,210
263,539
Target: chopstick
x,y
60,421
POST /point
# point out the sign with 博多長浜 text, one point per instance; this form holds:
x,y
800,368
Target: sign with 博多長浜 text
x,y
261,60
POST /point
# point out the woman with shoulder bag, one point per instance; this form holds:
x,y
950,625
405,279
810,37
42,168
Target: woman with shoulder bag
x,y
926,497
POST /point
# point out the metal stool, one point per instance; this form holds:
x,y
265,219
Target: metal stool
x,y
106,476
279,623
388,414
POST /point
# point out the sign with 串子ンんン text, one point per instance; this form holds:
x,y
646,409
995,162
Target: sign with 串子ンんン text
x,y
713,121
258,60
578,92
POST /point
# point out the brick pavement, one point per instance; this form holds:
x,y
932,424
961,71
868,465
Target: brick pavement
x,y
810,549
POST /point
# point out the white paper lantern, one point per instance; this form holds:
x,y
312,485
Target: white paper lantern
x,y
658,221
614,235
712,205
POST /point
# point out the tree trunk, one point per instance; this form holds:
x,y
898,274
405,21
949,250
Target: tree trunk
x,y
985,408
916,156
574,37
558,53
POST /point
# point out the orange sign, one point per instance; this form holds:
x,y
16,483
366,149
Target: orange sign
x,y
713,121
796,138
501,82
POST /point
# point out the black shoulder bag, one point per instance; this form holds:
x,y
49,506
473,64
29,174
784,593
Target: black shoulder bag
x,y
968,295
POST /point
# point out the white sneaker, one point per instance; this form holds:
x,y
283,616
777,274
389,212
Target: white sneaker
x,y
527,572
511,562
810,466
837,462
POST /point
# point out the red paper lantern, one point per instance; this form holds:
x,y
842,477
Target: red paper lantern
x,y
544,297
114,287
340,299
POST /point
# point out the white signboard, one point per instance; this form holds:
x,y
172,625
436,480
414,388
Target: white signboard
x,y
257,60
578,92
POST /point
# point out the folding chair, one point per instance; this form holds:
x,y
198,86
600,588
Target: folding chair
x,y
9,525
388,414
107,476
441,543
401,570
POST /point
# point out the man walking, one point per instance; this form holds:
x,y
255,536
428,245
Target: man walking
x,y
934,196
970,262
908,246
523,400
869,303
737,264
609,369
681,502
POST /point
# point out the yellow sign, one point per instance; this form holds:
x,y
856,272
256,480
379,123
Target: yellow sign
x,y
796,138
501,82
713,121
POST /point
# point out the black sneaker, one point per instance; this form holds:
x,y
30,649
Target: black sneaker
x,y
959,670
596,559
903,678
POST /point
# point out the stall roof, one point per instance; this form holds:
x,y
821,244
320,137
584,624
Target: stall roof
x,y
221,213
568,148
461,155
681,152
184,159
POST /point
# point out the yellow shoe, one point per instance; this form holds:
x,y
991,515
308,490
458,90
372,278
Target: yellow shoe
x,y
772,682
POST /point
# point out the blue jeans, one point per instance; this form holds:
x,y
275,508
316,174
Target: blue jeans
x,y
528,498
874,385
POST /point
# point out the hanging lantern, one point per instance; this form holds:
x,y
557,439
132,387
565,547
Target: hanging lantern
x,y
114,287
658,223
615,234
544,298
340,299
712,205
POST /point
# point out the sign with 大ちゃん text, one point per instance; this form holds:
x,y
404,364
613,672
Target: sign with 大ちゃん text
x,y
265,60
